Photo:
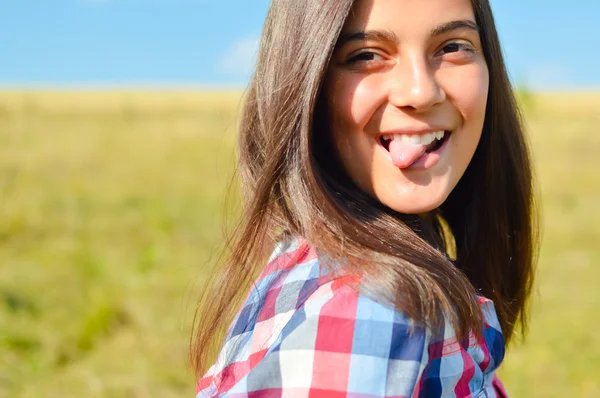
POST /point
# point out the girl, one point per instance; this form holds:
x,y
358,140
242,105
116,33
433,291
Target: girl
x,y
382,155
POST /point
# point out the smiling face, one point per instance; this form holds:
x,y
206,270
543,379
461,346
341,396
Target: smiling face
x,y
406,94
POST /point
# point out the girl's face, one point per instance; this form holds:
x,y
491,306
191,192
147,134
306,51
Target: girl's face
x,y
406,94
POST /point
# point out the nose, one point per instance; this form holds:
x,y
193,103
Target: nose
x,y
414,86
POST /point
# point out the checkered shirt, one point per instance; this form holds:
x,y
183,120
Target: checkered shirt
x,y
304,333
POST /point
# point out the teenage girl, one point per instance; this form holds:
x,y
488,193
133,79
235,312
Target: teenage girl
x,y
385,170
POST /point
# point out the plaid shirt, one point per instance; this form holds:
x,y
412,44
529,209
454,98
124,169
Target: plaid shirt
x,y
304,333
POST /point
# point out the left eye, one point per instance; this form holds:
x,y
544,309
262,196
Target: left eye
x,y
456,47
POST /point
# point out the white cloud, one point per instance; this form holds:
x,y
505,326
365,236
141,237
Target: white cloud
x,y
239,59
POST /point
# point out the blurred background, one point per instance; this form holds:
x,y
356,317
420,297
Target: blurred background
x,y
117,131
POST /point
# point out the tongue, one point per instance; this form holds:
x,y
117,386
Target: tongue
x,y
405,154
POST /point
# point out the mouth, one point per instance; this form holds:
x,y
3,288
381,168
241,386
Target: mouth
x,y
407,150
431,141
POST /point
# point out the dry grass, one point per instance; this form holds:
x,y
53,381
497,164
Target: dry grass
x,y
111,211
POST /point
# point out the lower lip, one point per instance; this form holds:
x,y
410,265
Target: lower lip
x,y
427,160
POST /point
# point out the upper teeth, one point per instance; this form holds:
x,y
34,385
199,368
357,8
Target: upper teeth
x,y
415,139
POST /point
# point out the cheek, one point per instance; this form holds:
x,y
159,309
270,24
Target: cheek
x,y
353,101
468,91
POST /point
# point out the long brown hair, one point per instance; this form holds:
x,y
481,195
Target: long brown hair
x,y
292,185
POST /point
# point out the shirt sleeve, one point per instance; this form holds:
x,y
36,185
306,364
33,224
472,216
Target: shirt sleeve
x,y
339,342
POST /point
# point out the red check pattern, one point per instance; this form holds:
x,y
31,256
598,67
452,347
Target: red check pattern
x,y
303,332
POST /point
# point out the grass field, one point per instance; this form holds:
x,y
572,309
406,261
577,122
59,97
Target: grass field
x,y
111,209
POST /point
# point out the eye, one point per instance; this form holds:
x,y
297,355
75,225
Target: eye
x,y
364,56
456,47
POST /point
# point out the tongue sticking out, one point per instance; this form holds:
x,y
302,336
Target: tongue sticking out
x,y
405,154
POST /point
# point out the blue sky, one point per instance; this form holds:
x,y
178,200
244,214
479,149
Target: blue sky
x,y
549,44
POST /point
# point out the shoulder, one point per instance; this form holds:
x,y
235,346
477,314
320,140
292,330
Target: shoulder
x,y
304,329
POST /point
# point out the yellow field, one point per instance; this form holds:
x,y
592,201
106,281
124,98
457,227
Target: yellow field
x,y
111,209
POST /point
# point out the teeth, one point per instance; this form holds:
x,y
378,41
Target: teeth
x,y
415,139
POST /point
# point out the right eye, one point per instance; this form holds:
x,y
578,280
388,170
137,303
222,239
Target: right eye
x,y
365,56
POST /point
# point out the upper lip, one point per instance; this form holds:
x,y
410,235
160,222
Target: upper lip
x,y
414,130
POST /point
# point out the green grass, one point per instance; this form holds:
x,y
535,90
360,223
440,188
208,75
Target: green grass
x,y
561,355
111,210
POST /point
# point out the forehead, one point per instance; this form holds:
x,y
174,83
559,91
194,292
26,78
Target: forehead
x,y
408,17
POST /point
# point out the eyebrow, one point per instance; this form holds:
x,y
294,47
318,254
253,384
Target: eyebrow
x,y
388,35
374,35
455,25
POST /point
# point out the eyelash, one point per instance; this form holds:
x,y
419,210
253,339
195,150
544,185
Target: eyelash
x,y
356,58
464,46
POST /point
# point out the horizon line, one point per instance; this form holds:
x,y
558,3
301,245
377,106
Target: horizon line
x,y
199,86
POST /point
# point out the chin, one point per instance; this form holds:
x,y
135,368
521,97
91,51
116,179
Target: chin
x,y
416,208
411,198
